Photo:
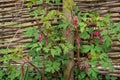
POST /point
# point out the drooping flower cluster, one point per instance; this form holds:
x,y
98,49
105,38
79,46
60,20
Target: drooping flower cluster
x,y
96,34
40,36
78,41
47,40
75,21
84,65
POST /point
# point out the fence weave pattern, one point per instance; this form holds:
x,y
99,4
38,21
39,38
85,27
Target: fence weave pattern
x,y
103,7
14,18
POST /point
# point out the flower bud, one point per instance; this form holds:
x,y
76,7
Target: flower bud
x,y
78,39
47,41
68,33
75,21
22,70
97,33
40,37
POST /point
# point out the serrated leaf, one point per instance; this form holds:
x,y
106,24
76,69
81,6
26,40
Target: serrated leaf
x,y
39,1
90,30
53,52
56,51
118,37
92,51
111,68
86,48
52,66
103,56
98,49
84,35
29,32
104,64
81,75
57,1
104,32
63,24
56,66
65,49
82,26
93,72
107,40
93,62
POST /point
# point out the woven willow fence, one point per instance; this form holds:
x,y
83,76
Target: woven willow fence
x,y
14,18
111,7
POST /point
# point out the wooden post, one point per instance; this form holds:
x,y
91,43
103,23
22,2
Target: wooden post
x,y
68,16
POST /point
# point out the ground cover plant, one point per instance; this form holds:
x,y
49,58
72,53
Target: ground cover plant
x,y
51,45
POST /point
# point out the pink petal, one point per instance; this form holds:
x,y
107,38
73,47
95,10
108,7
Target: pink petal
x,y
40,37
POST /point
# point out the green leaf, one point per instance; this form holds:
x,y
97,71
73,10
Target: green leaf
x,y
52,66
111,26
39,2
30,4
34,13
101,24
107,18
111,67
29,32
107,40
98,48
32,32
92,51
109,77
104,64
76,10
56,66
47,24
113,78
86,48
84,35
103,56
65,48
34,45
104,32
46,49
118,26
6,51
58,50
1,73
93,62
81,75
118,37
82,26
38,49
90,30
55,51
35,32
57,1
93,72
63,24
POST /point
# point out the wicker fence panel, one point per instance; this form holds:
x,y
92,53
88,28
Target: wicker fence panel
x,y
15,18
103,7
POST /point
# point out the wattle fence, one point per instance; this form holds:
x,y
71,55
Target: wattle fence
x,y
15,18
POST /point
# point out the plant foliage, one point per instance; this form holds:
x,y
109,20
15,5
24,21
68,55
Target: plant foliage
x,y
47,57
